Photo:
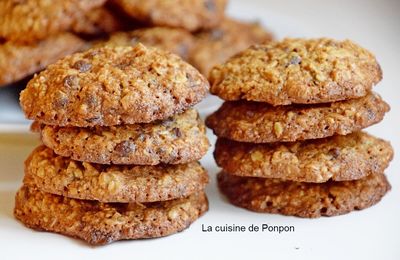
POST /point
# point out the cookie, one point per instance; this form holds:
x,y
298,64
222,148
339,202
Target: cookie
x,y
297,71
174,40
337,158
101,223
308,200
97,22
31,20
125,183
180,139
257,122
18,61
112,86
191,15
215,46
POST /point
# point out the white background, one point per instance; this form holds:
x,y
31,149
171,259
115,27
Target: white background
x,y
369,234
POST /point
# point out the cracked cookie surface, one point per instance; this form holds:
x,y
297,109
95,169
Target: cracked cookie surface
x,y
111,86
308,200
102,223
304,71
179,139
112,183
257,122
337,158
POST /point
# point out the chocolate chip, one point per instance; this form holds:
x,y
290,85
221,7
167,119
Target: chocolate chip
x,y
82,66
334,152
295,60
70,81
210,5
125,148
60,102
177,132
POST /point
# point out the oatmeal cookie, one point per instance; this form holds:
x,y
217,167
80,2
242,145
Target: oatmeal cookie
x,y
31,20
304,71
102,223
337,158
111,183
215,46
257,122
111,86
174,40
301,199
18,61
191,15
180,139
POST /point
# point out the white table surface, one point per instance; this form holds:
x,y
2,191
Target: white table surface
x,y
369,234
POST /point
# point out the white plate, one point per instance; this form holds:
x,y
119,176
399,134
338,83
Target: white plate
x,y
367,234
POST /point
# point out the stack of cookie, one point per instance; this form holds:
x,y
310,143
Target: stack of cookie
x,y
289,132
121,145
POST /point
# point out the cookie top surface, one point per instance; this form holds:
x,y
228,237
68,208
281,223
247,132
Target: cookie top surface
x,y
102,223
14,64
63,176
180,139
32,20
191,15
304,71
174,40
337,158
308,200
215,46
112,86
258,122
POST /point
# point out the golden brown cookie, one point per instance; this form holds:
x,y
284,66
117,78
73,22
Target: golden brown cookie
x,y
301,199
101,223
111,86
304,71
215,46
258,122
18,61
111,183
174,40
338,158
31,20
180,139
98,21
191,15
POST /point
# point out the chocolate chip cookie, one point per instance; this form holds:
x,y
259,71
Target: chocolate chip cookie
x,y
174,40
191,15
31,20
337,158
180,139
18,61
308,200
102,223
111,86
111,183
258,122
304,71
215,46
